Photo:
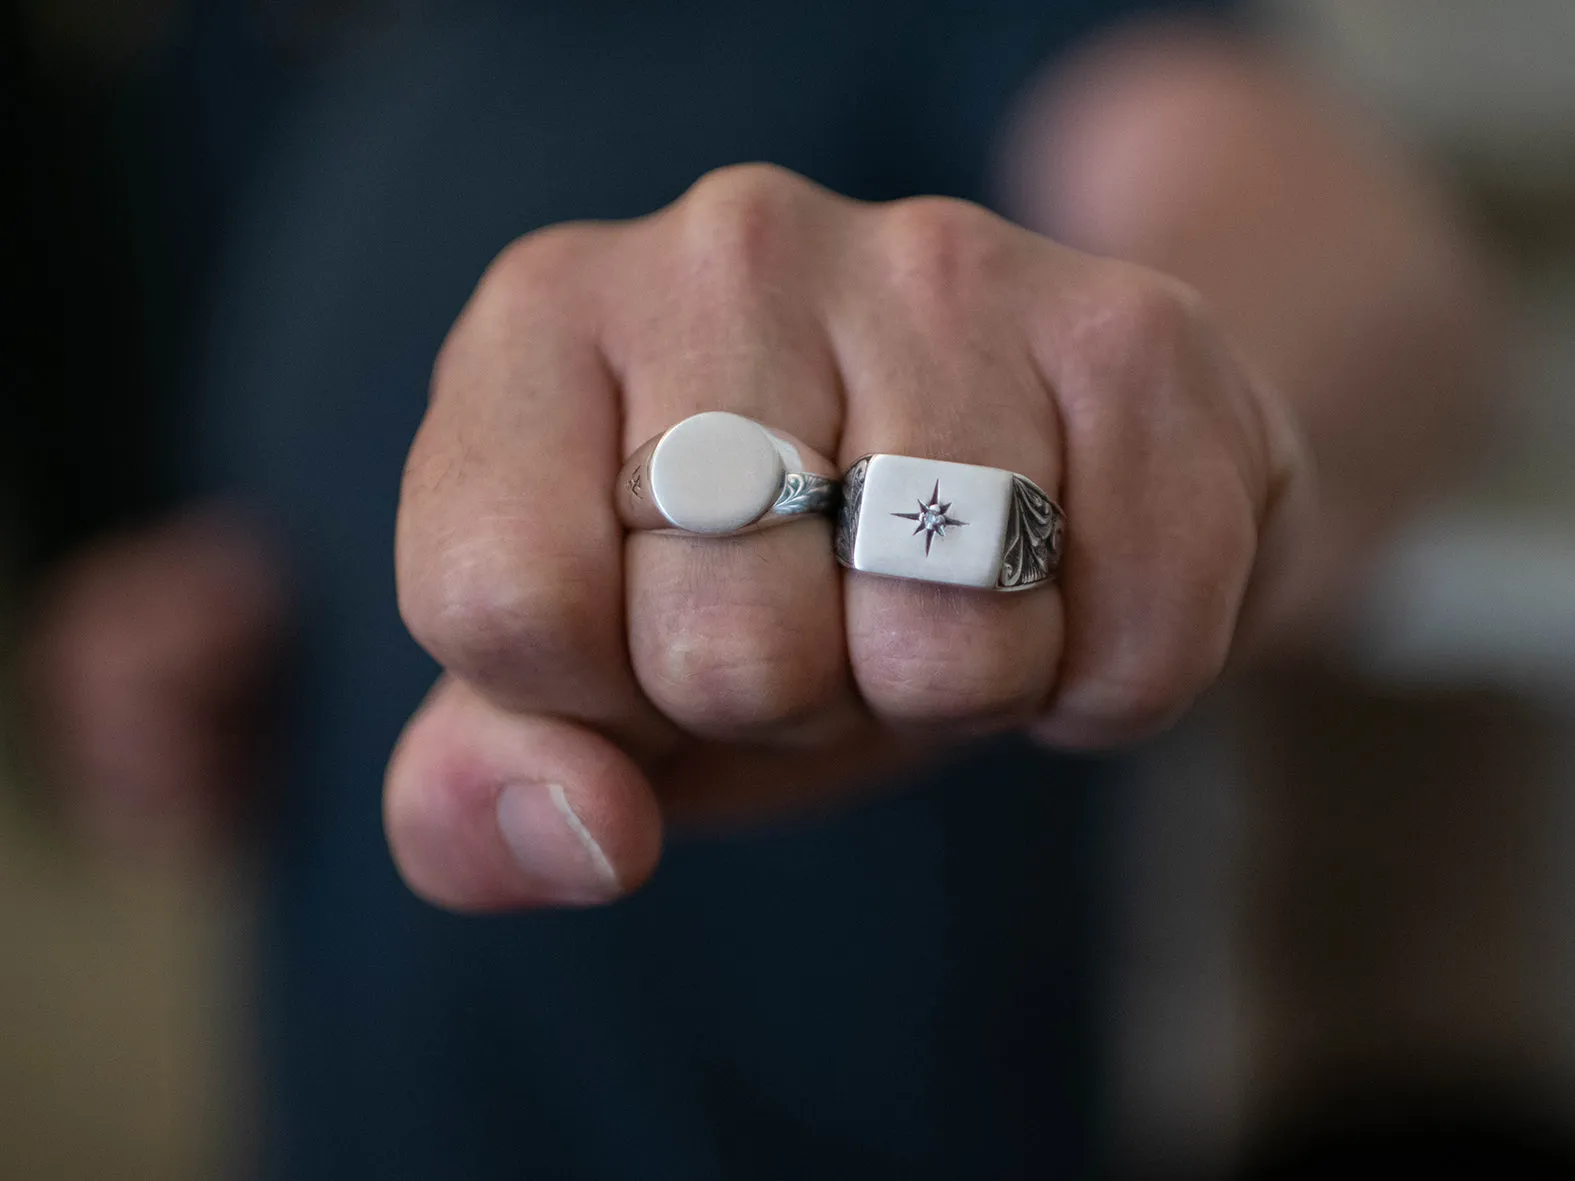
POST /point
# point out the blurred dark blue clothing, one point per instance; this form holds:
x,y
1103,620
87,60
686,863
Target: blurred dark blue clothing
x,y
901,991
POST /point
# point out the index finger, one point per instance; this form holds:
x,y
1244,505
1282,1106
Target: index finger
x,y
508,551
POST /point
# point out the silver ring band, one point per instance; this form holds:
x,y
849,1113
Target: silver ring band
x,y
721,474
954,523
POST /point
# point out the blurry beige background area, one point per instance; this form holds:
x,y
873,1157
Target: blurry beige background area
x,y
121,1045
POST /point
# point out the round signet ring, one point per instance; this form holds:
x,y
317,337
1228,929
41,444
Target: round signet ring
x,y
955,523
720,474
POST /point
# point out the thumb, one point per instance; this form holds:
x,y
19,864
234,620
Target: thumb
x,y
487,810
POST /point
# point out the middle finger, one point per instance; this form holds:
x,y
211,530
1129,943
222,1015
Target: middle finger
x,y
738,637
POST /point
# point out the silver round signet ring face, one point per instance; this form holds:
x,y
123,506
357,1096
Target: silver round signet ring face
x,y
720,474
956,523
715,473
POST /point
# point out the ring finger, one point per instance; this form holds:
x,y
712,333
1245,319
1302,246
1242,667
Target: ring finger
x,y
933,374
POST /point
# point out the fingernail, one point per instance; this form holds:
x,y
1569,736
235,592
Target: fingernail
x,y
552,845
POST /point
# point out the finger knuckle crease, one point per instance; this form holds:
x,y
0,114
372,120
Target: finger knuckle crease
x,y
740,680
921,687
1143,697
1136,703
487,622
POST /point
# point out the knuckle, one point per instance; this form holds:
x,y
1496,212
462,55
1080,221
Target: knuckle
x,y
749,186
942,250
1134,700
734,221
983,677
536,269
535,278
499,621
1146,314
738,675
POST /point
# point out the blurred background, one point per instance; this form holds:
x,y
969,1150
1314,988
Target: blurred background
x,y
1350,893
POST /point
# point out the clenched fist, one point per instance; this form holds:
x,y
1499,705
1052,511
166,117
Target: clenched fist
x,y
595,679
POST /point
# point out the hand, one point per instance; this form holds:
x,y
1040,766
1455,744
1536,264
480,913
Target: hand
x,y
148,665
595,680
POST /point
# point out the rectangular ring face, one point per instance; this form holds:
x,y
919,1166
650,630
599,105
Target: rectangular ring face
x,y
930,519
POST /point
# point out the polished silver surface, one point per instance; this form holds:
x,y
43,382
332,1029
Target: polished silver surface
x,y
721,474
714,473
956,523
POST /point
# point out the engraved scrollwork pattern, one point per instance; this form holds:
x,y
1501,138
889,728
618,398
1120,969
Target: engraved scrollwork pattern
x,y
803,493
1035,529
848,518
